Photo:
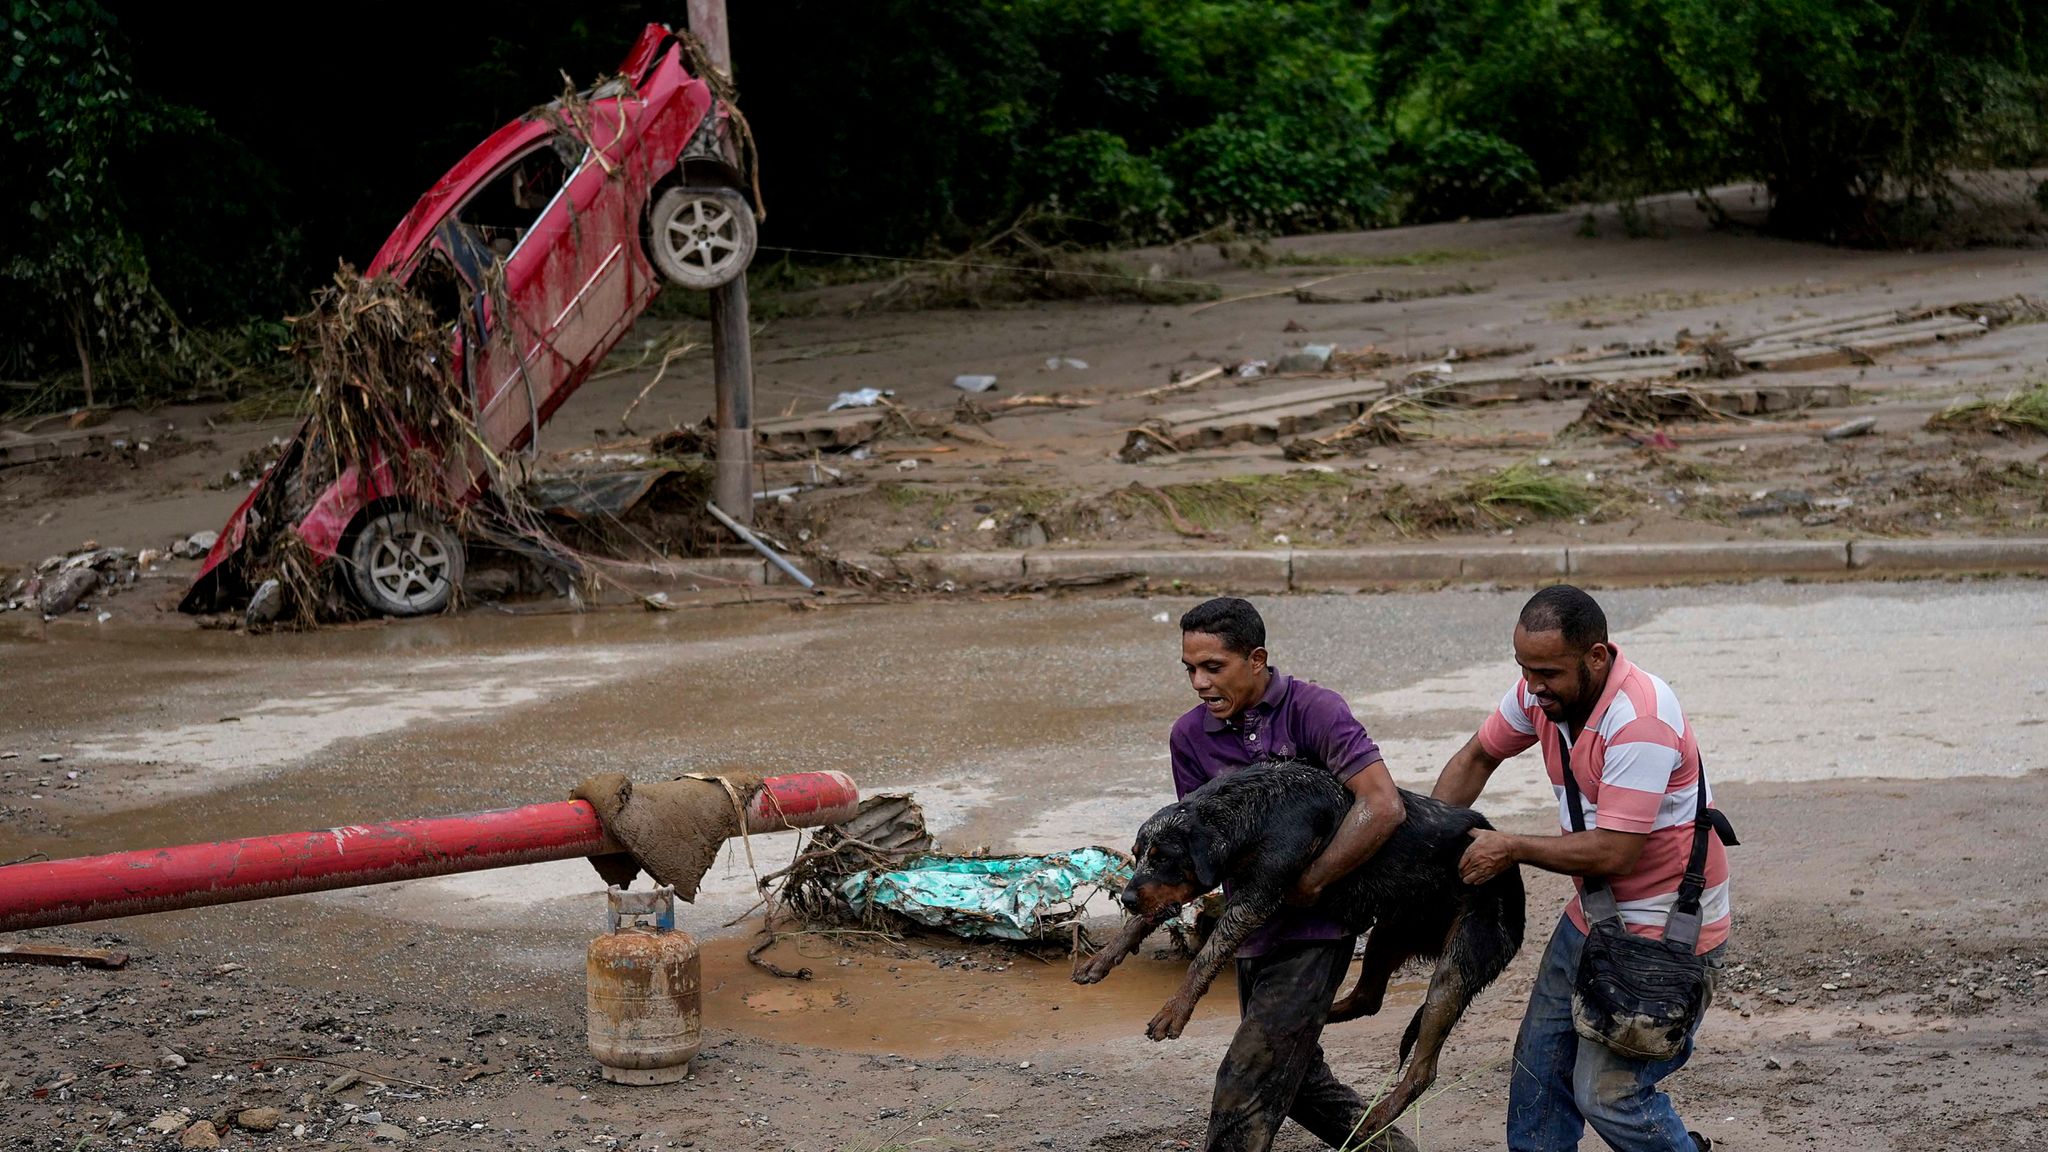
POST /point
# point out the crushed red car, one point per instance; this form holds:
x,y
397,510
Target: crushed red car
x,y
538,251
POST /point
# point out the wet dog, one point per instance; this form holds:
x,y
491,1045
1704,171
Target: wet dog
x,y
1258,829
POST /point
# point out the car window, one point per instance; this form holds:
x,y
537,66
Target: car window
x,y
500,213
437,283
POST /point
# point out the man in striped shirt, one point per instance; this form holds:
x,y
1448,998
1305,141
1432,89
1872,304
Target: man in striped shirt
x,y
1637,766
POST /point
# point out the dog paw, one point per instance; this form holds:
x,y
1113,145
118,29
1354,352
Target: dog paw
x,y
1344,1010
1169,1023
1092,972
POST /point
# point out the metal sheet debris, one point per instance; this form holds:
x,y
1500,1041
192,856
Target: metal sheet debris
x,y
1005,897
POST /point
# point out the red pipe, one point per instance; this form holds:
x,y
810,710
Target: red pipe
x,y
51,892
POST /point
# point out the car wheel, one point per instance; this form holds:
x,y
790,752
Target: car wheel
x,y
405,564
701,237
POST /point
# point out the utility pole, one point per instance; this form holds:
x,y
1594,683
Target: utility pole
x,y
732,348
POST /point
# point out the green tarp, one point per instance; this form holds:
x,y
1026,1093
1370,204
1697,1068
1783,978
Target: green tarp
x,y
1007,897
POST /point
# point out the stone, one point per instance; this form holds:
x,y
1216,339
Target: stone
x,y
489,584
391,1132
1027,533
200,1135
259,1119
168,1122
62,592
173,1061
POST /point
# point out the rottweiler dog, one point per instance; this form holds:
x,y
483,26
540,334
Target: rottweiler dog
x,y
1257,829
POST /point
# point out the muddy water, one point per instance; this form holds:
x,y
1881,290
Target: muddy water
x,y
1020,726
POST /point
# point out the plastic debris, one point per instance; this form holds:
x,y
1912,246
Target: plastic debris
x,y
1250,369
1006,897
1055,363
974,383
865,398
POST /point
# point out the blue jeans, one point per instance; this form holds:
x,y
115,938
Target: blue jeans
x,y
1562,1082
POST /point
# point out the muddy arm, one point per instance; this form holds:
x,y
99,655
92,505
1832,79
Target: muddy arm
x,y
1090,969
1241,916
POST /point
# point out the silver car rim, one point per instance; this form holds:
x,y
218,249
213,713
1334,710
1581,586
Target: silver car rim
x,y
703,236
409,573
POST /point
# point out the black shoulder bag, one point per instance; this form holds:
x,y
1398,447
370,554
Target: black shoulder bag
x,y
1641,997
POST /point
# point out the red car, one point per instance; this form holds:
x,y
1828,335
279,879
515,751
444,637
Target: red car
x,y
584,210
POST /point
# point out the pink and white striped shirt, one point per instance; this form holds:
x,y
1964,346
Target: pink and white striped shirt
x,y
1638,770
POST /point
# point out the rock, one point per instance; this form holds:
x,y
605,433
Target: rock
x,y
1027,533
168,1122
1988,993
1857,427
200,1135
62,592
489,584
266,603
173,1061
341,1083
391,1132
259,1119
1771,1062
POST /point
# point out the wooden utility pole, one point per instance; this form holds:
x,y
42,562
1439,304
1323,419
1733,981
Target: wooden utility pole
x,y
732,348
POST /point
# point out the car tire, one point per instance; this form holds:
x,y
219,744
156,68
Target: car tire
x,y
701,237
405,563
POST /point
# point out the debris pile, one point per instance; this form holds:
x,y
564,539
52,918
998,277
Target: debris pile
x,y
74,582
882,870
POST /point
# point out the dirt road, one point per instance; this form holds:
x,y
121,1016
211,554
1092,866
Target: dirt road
x,y
1535,284
1875,744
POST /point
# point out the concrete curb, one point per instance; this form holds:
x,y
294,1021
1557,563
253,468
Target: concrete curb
x,y
1263,571
1356,569
1734,558
1949,555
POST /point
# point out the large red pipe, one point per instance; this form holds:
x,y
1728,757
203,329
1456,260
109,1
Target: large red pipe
x,y
52,892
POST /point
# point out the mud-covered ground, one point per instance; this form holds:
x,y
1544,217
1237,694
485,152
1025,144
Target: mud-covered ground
x,y
1891,966
1877,745
1534,283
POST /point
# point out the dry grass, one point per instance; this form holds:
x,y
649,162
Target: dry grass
x,y
1525,487
2025,410
1212,505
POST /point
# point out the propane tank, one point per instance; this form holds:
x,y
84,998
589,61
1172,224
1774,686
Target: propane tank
x,y
643,990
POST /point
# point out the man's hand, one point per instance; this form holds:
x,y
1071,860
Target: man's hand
x,y
1490,854
1304,893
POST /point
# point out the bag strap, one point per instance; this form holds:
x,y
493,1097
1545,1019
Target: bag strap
x,y
1594,894
1682,923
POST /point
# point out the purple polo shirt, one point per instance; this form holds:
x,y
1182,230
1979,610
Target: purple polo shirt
x,y
1294,720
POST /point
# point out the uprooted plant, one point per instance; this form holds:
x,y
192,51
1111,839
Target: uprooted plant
x,y
2025,410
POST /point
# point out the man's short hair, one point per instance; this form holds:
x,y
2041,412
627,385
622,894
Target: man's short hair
x,y
1229,619
1563,608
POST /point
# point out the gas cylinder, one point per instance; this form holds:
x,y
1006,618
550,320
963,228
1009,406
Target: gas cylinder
x,y
643,990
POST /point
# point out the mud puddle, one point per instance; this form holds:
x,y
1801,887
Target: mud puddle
x,y
863,998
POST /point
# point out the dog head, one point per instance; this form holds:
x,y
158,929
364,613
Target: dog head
x,y
1179,857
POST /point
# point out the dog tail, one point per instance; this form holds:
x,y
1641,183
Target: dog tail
x,y
1414,1030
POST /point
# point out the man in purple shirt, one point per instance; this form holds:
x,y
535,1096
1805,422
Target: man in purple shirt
x,y
1291,968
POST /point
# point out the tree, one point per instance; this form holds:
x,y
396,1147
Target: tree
x,y
70,111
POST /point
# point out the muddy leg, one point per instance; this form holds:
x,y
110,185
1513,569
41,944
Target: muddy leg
x,y
1090,969
1274,1066
1245,912
1449,993
1382,956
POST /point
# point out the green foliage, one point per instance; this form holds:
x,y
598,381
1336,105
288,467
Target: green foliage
x,y
1846,109
70,109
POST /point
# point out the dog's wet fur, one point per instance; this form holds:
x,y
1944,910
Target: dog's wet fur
x,y
1258,829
